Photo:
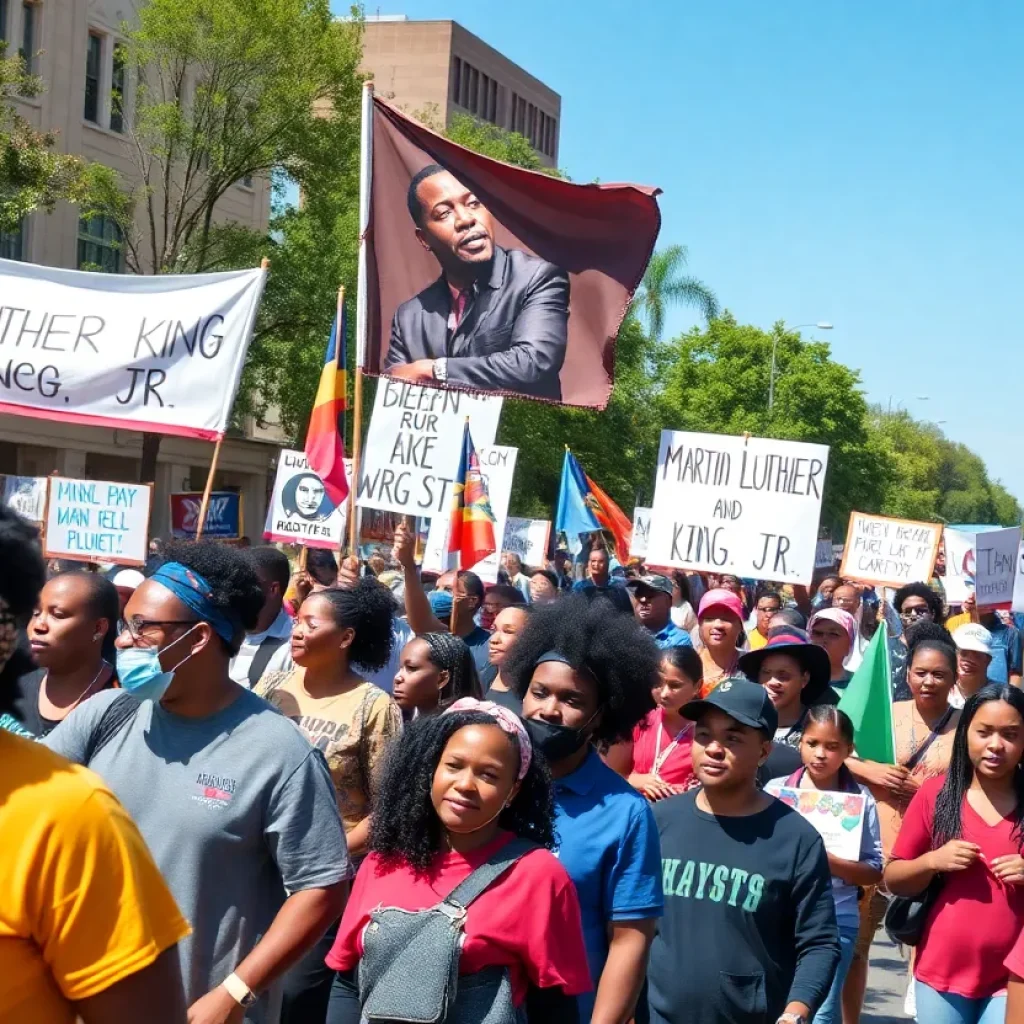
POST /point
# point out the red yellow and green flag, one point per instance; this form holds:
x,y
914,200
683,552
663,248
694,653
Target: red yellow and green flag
x,y
471,535
325,438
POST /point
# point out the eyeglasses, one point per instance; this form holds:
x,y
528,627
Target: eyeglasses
x,y
917,612
136,626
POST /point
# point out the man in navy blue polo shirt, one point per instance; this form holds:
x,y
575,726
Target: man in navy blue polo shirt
x,y
654,611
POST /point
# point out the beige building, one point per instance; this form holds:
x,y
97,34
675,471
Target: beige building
x,y
438,65
72,44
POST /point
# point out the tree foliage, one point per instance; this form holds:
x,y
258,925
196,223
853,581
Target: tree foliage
x,y
32,175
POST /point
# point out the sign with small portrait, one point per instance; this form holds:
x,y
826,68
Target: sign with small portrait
x,y
300,511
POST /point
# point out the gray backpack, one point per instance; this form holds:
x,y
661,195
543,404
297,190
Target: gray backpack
x,y
409,971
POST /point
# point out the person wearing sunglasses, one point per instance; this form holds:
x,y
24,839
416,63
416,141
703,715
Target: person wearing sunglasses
x,y
236,806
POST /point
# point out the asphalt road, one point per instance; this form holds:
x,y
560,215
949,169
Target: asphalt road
x,y
887,984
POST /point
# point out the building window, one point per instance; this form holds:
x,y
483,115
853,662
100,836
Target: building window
x,y
99,244
456,79
117,91
12,243
3,19
28,36
93,67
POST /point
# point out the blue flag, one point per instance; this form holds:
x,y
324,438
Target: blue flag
x,y
574,515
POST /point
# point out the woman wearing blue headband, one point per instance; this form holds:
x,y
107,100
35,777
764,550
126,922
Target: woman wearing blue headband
x,y
236,806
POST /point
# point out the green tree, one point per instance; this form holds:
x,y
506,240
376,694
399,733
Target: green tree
x,y
490,140
665,285
32,175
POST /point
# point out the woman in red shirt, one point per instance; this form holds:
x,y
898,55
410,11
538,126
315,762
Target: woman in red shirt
x,y
968,827
657,759
456,789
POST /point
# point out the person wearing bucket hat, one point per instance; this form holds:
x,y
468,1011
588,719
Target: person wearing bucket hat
x,y
744,872
973,657
720,622
653,594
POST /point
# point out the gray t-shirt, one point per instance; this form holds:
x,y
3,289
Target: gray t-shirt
x,y
236,809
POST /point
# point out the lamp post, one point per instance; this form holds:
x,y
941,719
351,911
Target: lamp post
x,y
822,325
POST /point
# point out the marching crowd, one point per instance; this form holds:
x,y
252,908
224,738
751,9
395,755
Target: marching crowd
x,y
350,792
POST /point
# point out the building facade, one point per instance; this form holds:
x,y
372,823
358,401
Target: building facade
x,y
88,101
439,67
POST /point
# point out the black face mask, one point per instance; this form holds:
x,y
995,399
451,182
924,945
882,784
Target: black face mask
x,y
555,742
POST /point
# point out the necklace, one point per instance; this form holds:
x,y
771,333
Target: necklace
x,y
81,696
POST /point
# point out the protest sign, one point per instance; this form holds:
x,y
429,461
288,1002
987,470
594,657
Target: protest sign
x,y
161,353
498,465
300,511
641,531
996,566
748,506
97,521
824,554
889,552
531,240
414,443
1017,604
527,538
27,496
837,817
223,515
958,582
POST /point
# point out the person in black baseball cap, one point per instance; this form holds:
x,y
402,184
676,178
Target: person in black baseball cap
x,y
746,874
653,610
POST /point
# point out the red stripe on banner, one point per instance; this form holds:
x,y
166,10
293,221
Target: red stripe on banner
x,y
85,420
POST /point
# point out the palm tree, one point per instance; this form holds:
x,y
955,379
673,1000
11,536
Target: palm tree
x,y
664,284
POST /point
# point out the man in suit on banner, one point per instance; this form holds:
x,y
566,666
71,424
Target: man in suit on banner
x,y
495,320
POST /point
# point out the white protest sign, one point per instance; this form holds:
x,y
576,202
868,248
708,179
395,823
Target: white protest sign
x,y
414,443
641,531
98,521
837,817
498,465
824,554
958,583
1018,582
161,353
527,538
300,511
889,552
748,506
996,562
27,496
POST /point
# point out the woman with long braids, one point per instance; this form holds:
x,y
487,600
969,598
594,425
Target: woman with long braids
x,y
459,788
968,828
436,670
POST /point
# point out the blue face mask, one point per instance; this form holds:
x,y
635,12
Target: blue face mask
x,y
140,673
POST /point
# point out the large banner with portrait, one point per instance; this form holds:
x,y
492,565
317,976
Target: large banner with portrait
x,y
486,277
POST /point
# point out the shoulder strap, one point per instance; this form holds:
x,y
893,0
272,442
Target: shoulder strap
x,y
794,779
489,872
261,659
915,758
121,711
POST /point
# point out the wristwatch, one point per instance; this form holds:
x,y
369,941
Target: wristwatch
x,y
239,991
441,370
792,1018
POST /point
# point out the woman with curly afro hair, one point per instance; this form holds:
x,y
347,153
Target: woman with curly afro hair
x,y
458,788
236,806
584,672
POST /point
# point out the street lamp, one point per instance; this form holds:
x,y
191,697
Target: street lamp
x,y
822,325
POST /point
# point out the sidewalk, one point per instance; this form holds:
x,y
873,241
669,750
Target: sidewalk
x,y
887,984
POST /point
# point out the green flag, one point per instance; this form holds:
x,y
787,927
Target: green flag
x,y
868,702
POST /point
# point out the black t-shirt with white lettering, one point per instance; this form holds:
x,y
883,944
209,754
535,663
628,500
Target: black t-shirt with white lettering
x,y
749,922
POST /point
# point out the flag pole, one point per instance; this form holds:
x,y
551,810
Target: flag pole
x,y
362,304
209,487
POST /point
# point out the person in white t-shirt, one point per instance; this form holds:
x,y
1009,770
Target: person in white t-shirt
x,y
267,648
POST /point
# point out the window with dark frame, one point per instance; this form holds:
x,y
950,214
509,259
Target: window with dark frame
x,y
456,78
117,91
93,67
28,36
3,19
99,244
12,243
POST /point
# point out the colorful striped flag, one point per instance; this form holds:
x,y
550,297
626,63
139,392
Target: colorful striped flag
x,y
584,508
325,438
471,535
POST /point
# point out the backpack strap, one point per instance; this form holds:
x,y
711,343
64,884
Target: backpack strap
x,y
268,647
489,872
793,782
121,711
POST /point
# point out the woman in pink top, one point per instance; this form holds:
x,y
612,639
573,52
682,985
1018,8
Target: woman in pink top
x,y
657,759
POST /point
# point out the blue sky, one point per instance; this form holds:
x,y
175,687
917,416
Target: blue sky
x,y
859,163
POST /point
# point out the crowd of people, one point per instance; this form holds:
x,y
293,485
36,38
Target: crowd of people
x,y
328,793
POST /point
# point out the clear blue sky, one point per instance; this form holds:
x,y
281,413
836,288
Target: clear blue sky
x,y
855,162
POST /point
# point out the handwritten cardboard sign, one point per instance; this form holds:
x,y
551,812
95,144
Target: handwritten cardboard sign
x,y
527,538
996,566
743,505
98,521
300,511
889,552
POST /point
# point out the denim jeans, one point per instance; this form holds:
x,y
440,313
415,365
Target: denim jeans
x,y
934,1007
831,1011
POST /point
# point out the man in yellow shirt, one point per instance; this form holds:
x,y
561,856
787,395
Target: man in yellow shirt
x,y
88,928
